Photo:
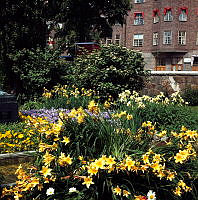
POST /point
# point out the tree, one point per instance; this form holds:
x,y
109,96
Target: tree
x,y
88,18
22,25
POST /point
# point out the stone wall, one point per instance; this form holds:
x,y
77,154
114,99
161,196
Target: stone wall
x,y
169,84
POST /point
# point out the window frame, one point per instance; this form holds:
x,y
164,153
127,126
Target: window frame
x,y
183,16
139,1
168,15
108,39
167,38
117,39
156,17
138,18
182,38
140,41
155,39
197,39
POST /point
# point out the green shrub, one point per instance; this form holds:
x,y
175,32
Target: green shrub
x,y
35,69
108,71
169,117
191,96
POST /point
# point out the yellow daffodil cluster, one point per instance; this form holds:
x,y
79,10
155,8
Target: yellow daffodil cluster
x,y
67,91
122,114
93,107
150,162
121,192
181,187
129,99
148,128
78,114
44,127
11,141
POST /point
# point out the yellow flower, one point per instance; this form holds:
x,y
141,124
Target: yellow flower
x,y
126,193
80,119
110,161
157,158
181,156
129,117
107,104
171,176
80,157
65,140
63,160
88,181
145,159
93,107
129,163
46,171
157,167
48,158
117,191
177,191
99,164
92,170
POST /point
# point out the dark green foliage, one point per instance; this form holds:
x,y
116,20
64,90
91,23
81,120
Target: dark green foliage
x,y
191,96
35,69
109,71
22,25
88,18
169,117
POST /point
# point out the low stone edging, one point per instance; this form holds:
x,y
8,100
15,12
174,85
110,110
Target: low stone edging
x,y
18,157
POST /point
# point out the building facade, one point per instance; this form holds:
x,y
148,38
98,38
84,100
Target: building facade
x,y
166,32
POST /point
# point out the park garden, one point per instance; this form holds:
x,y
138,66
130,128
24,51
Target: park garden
x,y
96,136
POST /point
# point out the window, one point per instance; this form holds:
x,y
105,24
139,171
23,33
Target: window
x,y
197,39
167,38
138,18
155,16
108,40
139,1
155,39
117,39
182,37
168,14
183,14
138,40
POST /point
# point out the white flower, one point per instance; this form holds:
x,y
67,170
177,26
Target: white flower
x,y
50,191
72,189
151,195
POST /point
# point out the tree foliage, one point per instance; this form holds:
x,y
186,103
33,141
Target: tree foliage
x,y
22,25
88,18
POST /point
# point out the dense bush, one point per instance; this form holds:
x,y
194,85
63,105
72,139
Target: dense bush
x,y
109,71
191,96
36,69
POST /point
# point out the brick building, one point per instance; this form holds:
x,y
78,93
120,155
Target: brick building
x,y
166,32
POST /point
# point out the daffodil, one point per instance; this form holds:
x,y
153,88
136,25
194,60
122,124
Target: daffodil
x,y
65,140
117,191
46,171
126,193
88,181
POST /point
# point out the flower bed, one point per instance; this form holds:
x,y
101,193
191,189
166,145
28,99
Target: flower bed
x,y
109,152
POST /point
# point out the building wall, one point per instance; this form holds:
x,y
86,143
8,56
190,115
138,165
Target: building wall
x,y
169,51
169,84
